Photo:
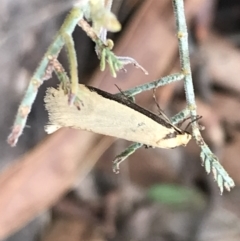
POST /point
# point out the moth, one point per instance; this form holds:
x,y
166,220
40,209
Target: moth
x,y
112,115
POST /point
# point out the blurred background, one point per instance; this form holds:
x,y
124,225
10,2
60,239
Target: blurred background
x,y
61,187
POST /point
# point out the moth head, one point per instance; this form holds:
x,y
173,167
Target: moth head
x,y
174,139
184,138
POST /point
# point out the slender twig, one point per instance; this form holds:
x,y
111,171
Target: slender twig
x,y
157,83
209,159
42,73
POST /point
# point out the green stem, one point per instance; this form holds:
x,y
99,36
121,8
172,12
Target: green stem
x,y
43,72
157,83
209,159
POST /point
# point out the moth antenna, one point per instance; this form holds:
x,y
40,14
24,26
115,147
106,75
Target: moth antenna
x,y
161,112
198,117
155,100
185,119
130,98
120,90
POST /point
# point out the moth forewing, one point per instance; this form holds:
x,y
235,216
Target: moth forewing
x,y
106,114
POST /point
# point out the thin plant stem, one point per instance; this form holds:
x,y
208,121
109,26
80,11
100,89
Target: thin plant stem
x,y
42,73
155,84
210,161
